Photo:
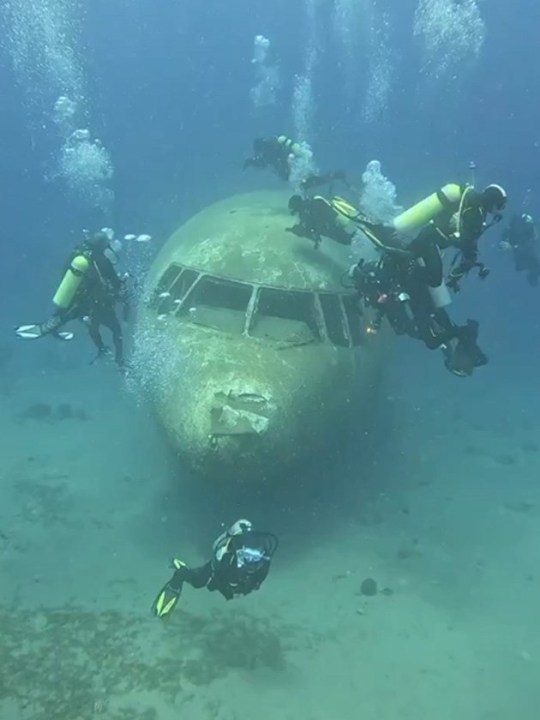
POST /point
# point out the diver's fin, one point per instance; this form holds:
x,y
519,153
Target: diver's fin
x,y
170,593
64,335
29,332
166,600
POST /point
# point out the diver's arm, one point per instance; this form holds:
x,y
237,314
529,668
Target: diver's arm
x,y
261,576
109,274
472,226
252,582
301,230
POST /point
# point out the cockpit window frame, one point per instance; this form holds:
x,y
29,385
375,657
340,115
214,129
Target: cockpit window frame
x,y
175,306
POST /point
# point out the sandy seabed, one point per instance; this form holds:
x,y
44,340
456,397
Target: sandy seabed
x,y
445,517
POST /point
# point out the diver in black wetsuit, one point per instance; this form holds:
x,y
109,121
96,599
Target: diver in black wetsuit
x,y
273,152
336,219
94,302
317,218
521,238
460,226
239,565
279,153
396,288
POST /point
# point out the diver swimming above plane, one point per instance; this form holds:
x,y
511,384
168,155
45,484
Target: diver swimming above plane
x,y
282,155
406,283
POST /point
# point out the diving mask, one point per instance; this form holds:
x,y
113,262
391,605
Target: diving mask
x,y
252,557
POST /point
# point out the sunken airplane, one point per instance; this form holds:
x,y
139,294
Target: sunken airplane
x,y
251,346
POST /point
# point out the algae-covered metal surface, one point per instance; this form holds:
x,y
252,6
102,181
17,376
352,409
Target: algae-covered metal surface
x,y
250,344
244,237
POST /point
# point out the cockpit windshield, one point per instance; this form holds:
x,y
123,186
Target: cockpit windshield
x,y
293,317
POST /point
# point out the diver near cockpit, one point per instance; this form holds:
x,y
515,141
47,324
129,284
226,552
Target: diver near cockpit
x,y
466,215
90,290
405,284
395,288
335,219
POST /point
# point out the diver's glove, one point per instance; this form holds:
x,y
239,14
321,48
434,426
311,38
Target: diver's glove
x,y
170,593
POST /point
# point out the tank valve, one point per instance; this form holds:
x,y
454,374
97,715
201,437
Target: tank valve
x,y
472,168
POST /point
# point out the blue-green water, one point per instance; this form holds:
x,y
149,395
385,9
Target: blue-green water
x,y
438,502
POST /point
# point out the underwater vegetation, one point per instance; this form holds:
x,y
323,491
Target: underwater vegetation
x,y
72,664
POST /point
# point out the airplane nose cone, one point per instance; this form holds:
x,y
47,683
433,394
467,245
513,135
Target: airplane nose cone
x,y
240,413
232,432
250,346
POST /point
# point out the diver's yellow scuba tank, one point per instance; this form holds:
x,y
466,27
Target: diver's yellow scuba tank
x,y
292,147
428,208
71,281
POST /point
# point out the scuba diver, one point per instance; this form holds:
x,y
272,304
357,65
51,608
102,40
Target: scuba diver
x,y
521,238
460,225
317,218
396,287
241,558
336,219
278,153
89,291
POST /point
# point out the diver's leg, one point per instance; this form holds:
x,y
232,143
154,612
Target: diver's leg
x,y
52,325
426,249
169,594
95,334
399,320
111,321
198,577
424,316
443,326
